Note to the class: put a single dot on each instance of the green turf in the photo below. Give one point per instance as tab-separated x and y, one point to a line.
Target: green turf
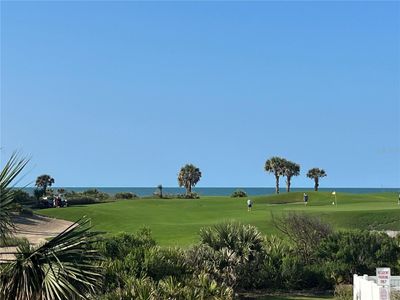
178	221
295	298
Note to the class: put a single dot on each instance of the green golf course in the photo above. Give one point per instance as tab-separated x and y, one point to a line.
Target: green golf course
176	222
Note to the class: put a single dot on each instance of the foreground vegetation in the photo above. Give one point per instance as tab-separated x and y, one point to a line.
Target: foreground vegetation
226	260
178	221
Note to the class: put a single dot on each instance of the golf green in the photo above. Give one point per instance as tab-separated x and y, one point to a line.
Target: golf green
178	221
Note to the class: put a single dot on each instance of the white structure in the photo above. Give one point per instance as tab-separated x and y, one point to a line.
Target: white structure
366	287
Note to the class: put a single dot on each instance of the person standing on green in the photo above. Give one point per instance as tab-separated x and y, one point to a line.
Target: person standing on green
305	197
249	204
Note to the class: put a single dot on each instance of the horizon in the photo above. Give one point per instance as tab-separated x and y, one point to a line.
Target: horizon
121	94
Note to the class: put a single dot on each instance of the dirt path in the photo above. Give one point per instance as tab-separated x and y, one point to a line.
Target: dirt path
36	229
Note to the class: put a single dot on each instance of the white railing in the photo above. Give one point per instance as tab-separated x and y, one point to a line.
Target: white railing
365	288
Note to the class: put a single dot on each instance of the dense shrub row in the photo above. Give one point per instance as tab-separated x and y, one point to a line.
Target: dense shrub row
90	196
231	257
125	195
239	194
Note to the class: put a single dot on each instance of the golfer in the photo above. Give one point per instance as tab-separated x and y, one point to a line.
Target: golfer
249	204
305	197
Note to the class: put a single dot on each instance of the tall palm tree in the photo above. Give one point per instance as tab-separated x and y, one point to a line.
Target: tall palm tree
66	267
276	165
316	174
43	181
291	169
189	176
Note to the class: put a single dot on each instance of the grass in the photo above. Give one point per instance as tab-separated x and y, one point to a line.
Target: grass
295	298
178	221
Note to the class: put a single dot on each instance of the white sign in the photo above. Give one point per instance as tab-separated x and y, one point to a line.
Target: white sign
383	276
384	293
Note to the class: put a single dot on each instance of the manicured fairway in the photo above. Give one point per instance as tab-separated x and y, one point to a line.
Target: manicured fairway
177	221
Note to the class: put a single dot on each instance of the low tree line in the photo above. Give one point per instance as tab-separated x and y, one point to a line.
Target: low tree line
189	175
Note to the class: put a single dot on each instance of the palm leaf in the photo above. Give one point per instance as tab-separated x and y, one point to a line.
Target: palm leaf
10	171
66	267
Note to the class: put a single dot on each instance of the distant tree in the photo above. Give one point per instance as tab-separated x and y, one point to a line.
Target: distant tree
189	176
291	169
61	191
159	187
316	174
43	181
38	193
276	165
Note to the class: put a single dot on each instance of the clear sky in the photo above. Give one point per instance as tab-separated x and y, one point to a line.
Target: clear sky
124	94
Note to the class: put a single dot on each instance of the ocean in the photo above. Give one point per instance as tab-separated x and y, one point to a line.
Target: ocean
218	191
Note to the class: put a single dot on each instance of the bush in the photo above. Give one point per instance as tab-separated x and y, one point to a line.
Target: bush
163	262
306	232
91	193
343	254
191	195
81	199
23	197
12	241
239	194
395	295
124	195
26	212
344	292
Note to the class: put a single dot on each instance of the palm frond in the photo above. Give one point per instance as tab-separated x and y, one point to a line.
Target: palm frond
10	171
66	267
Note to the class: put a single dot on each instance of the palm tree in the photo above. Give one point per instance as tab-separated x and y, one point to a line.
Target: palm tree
66	267
316	174
291	169
276	165
43	181
189	176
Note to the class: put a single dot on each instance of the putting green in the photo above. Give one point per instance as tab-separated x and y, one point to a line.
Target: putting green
178	221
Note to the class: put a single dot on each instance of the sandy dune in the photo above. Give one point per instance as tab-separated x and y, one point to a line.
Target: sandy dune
36	229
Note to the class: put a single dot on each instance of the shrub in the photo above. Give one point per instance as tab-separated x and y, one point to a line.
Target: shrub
26	212
163	262
395	295
306	232
95	193
343	292
12	241
343	254
191	195
239	252
239	194
81	199
124	195
23	197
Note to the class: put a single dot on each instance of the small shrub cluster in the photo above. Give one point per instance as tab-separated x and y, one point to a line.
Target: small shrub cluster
238	194
22	197
192	195
344	292
125	195
25	211
90	196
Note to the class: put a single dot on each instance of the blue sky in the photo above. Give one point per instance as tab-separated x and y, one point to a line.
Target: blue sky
124	94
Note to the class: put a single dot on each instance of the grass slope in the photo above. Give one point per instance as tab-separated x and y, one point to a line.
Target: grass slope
178	221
